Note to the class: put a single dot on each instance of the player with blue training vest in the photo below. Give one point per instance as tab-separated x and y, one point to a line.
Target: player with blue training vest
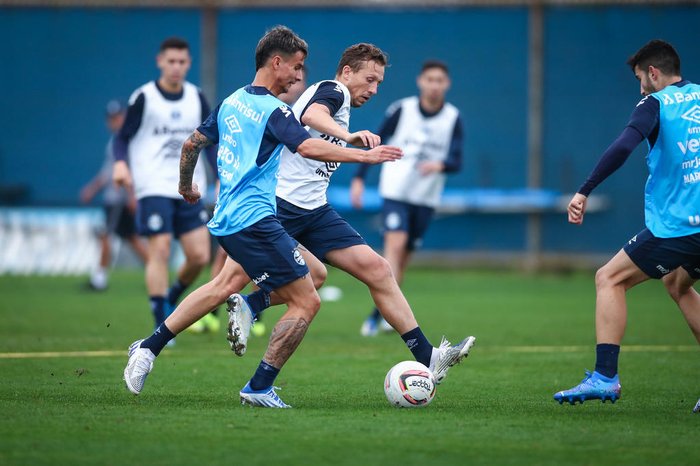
668	117
251	127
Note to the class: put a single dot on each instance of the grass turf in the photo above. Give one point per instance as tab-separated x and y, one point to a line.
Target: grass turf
534	337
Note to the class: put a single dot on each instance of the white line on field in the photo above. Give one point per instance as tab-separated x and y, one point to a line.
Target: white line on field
488	349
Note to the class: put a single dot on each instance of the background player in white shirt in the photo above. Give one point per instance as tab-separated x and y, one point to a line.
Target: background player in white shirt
429	130
160	116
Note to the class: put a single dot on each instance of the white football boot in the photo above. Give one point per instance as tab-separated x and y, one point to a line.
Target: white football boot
139	366
265	398
446	356
240	319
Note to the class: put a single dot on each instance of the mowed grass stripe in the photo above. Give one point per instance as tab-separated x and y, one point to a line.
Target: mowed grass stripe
488	349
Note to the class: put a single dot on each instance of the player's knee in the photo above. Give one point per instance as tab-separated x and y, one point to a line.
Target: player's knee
377	269
199	258
603	278
319	275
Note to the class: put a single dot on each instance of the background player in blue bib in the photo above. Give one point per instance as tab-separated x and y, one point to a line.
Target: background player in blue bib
668	117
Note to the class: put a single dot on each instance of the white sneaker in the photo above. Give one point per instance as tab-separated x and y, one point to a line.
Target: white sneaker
446	356
139	366
240	319
385	326
696	409
369	327
266	398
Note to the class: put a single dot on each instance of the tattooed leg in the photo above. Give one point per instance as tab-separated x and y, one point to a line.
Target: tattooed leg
285	338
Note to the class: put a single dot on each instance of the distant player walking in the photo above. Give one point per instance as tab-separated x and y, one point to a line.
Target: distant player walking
669	247
160	116
429	130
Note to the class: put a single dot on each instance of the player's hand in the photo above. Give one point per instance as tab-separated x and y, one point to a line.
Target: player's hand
192	194
430	166
364	138
382	154
121	175
357	189
577	208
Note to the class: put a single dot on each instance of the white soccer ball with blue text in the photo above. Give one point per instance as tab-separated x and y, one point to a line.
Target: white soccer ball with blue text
409	384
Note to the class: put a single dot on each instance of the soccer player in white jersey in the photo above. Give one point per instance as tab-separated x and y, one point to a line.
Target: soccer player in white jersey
668	248
326	106
429	130
160	116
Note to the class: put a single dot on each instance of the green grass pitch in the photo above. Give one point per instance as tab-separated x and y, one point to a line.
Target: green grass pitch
63	402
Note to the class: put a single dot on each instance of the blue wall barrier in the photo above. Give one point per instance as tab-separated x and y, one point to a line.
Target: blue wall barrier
62	65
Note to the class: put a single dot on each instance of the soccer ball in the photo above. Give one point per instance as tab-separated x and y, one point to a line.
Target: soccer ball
409	384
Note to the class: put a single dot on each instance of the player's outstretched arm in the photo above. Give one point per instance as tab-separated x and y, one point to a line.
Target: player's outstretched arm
577	208
121	176
319	117
188	160
324	151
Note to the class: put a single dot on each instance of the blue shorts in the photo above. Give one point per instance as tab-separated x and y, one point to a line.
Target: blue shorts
267	253
411	218
119	220
155	215
658	256
320	230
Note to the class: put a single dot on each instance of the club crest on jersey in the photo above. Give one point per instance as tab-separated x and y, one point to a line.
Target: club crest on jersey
232	124
298	257
175	115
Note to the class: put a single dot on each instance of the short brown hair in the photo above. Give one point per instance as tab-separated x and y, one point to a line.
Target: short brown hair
355	55
278	40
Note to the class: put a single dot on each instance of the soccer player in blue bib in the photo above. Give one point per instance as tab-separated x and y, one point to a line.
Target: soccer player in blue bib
668	117
252	126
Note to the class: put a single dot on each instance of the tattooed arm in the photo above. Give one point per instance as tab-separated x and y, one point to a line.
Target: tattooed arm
188	159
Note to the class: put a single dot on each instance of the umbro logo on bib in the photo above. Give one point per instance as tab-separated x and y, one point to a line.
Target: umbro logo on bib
232	124
693	114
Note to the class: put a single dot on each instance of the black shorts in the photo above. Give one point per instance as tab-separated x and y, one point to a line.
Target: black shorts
657	257
156	215
319	230
267	253
411	218
119	220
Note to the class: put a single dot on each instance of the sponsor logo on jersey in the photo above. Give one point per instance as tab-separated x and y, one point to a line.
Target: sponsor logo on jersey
691	145
285	110
246	110
693	114
679	97
232	124
338	89
298	258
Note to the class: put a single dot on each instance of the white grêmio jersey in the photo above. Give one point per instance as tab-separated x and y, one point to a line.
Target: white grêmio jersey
301	181
422	139
154	151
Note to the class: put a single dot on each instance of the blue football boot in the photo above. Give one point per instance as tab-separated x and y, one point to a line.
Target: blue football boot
594	386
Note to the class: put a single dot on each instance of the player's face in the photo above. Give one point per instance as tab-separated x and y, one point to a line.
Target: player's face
293	92
174	65
290	71
646	84
115	122
363	83
433	84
